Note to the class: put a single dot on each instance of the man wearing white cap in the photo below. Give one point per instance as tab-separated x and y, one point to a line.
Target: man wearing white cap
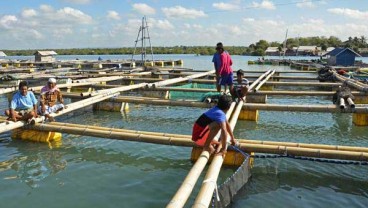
51	99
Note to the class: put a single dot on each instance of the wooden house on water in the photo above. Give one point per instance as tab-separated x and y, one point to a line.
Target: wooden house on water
45	56
341	57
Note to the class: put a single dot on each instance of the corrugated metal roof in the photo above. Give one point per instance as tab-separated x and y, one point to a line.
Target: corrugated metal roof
46	53
337	51
330	49
307	48
2	53
272	49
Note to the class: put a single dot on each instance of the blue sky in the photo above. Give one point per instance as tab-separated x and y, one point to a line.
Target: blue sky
38	24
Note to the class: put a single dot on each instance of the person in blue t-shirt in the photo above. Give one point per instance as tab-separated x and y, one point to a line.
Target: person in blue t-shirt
209	123
23	105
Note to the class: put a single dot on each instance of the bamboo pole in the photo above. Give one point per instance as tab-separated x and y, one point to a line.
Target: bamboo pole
241	141
77	105
256	76
209	183
180	79
264	81
186	188
258	80
183	193
246	106
71	107
270	83
310	150
305	108
8	90
306	152
352	83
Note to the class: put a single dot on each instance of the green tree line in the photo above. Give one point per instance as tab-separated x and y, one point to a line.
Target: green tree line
256	49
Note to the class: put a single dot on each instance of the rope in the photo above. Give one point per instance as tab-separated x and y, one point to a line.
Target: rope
343	162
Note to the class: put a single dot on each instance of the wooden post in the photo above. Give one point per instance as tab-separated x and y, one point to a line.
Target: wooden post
156	94
360	119
69	81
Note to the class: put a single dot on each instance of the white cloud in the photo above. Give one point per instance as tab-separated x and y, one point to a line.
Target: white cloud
224	6
144	9
35	34
305	4
78	1
71	15
355	14
265	4
28	13
181	12
113	15
8	21
160	24
46	8
62	32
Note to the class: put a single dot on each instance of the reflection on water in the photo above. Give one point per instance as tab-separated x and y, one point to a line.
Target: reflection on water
33	162
298	183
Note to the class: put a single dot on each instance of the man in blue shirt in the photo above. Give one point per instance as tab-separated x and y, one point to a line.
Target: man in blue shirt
23	105
209	123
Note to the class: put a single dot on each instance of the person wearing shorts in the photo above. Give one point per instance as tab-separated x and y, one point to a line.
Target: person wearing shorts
209	123
51	100
225	71
23	105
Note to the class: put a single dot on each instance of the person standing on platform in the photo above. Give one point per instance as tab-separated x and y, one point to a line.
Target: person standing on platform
225	72
51	99
209	123
217	64
23	105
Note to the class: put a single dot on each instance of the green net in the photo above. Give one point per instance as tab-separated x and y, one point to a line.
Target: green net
199	96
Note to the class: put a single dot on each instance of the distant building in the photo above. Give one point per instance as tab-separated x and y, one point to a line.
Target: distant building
307	50
341	57
329	49
45	56
2	54
363	51
272	51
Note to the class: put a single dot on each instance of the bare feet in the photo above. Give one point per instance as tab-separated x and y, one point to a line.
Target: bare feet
210	149
51	119
219	147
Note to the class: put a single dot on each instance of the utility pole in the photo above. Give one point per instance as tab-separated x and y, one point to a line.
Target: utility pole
284	47
143	35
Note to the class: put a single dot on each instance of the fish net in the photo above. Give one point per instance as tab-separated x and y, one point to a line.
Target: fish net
227	190
198	96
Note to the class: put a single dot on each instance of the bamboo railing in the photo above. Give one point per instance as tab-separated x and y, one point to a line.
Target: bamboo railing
264	81
59	127
180	79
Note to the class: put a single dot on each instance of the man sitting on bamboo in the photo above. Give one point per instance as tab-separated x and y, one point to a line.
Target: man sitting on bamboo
209	123
50	95
23	105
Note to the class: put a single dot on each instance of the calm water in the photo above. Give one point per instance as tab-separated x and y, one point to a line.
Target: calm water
95	172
